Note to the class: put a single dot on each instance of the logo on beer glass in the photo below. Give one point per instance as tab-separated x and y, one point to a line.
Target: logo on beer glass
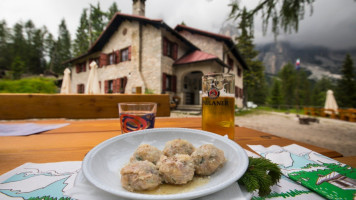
213	93
135	123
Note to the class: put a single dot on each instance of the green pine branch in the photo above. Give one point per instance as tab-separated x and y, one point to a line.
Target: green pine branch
261	175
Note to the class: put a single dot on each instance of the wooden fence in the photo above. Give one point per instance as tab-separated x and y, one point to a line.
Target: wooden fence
73	106
342	114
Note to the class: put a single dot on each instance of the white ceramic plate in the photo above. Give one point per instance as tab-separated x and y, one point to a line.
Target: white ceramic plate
102	165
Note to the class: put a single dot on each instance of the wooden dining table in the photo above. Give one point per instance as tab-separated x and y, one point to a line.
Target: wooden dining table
74	141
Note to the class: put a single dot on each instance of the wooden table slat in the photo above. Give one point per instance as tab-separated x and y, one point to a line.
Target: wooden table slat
72	142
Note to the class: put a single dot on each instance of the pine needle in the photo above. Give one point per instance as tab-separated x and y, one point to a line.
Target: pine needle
261	175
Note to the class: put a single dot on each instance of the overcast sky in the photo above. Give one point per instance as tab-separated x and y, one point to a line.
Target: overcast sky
333	23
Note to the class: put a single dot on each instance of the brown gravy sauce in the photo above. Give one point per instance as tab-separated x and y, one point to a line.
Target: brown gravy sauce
164	189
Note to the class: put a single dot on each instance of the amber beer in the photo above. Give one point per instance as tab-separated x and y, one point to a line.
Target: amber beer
218	104
218	115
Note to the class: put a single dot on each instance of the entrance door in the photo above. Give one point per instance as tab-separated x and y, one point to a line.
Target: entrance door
191	87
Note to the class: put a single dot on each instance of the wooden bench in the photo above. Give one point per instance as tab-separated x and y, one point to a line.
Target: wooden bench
73	106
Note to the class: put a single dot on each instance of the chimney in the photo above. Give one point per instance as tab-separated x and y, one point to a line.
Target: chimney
138	7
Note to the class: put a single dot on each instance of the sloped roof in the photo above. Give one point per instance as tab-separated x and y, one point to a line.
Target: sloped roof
226	39
195	56
115	23
198	56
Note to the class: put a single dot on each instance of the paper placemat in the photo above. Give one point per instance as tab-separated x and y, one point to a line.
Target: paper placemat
27	128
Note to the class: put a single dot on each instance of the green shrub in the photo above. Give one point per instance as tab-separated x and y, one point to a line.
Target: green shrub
28	85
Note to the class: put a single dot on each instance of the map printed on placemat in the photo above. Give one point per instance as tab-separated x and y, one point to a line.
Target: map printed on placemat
49	181
327	177
286	189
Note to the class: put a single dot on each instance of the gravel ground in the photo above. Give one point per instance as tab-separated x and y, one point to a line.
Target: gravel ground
328	133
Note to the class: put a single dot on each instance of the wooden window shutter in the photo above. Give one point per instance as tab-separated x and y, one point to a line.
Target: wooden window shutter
175	51
77	68
103	59
125	82
106	86
129	52
164	77
117	53
84	67
174	83
78	88
114	88
236	92
165	43
118	85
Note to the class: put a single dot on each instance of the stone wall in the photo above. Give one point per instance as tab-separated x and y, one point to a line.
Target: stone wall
128	35
206	44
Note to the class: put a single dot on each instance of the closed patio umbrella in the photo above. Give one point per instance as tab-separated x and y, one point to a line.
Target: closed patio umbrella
330	102
92	86
65	89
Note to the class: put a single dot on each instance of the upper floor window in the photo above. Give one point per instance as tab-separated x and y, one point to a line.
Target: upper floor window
230	62
239	71
111	58
81	67
124	54
97	61
170	49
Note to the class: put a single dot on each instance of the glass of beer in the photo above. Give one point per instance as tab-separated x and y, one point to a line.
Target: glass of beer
136	116
218	104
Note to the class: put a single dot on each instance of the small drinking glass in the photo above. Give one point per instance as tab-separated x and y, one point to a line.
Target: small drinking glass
136	116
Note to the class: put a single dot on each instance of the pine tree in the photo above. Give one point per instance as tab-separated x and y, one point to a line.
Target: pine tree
283	14
319	91
17	68
38	47
18	46
276	97
5	54
346	87
63	46
96	23
81	43
50	51
254	79
287	76
112	11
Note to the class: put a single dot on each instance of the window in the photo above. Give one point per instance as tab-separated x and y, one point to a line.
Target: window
169	83
170	49
96	60
81	67
110	86
125	54
121	85
230	62
239	71
115	85
111	58
80	88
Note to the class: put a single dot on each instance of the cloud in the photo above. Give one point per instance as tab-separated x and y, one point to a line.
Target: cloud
332	24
